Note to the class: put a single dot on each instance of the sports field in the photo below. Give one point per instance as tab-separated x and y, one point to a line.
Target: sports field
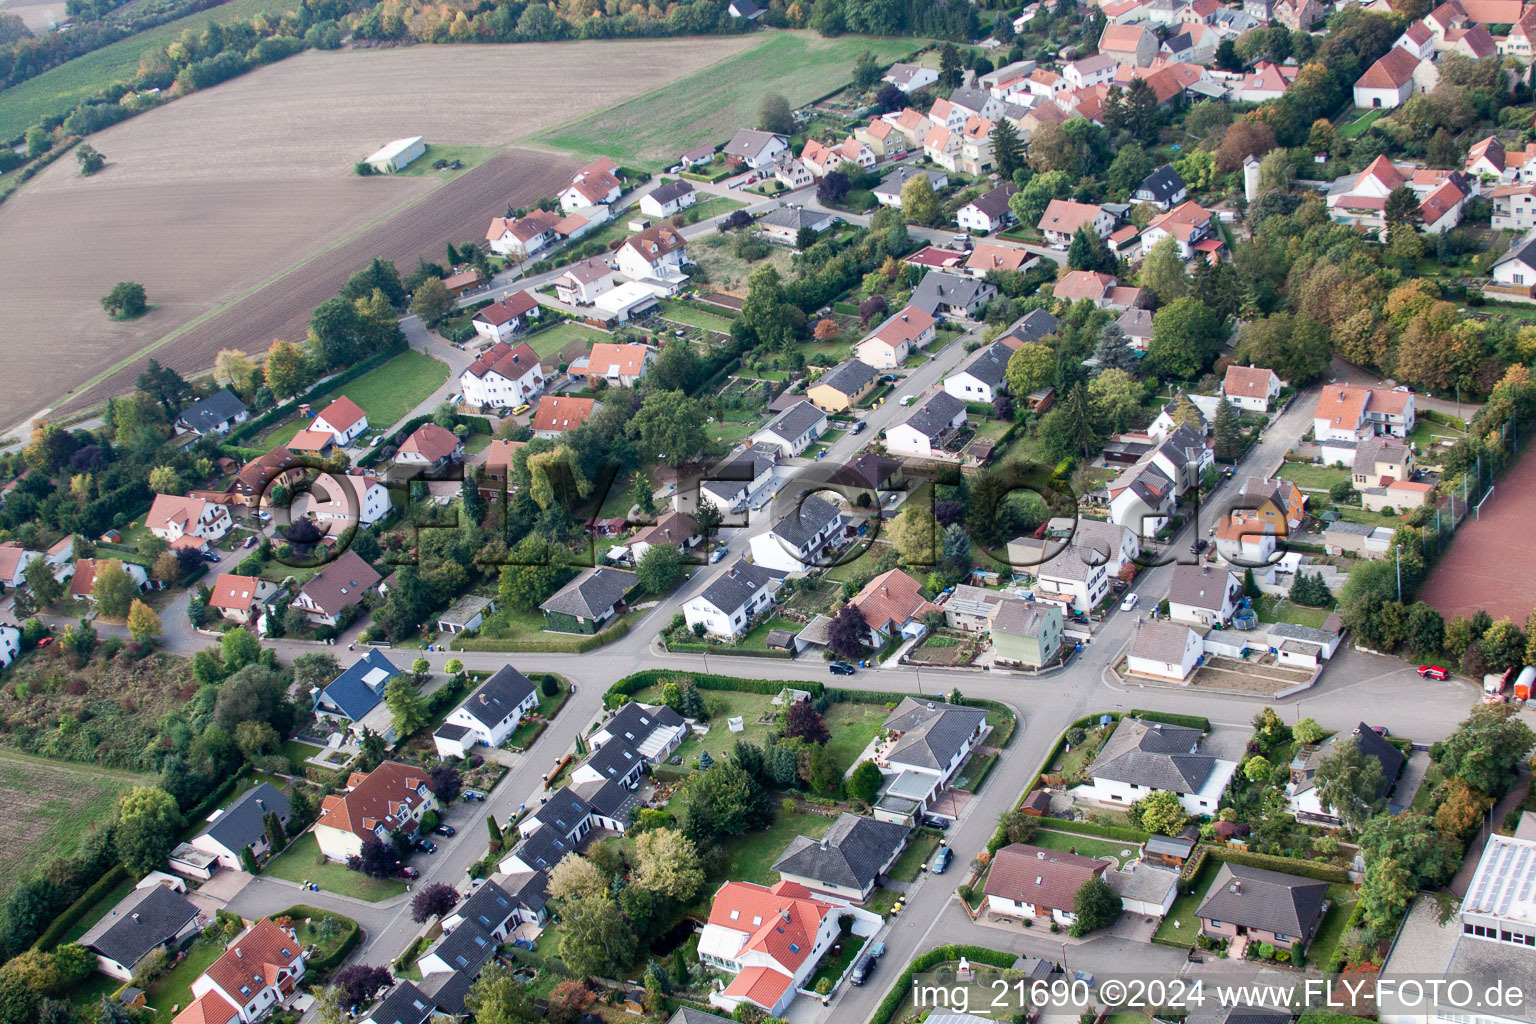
709	105
1488	563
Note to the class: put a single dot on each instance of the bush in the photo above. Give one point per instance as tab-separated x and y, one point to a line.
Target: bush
1188	721
941	954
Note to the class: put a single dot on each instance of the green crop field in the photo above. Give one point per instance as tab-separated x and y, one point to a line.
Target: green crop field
709	105
57	90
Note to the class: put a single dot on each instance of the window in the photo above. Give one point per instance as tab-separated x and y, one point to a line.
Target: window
1215	924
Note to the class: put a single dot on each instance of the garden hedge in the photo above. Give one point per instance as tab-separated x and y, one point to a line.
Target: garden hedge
1289	865
632	684
54	933
938	955
324	963
573	646
320	389
1188	721
695	648
1093	828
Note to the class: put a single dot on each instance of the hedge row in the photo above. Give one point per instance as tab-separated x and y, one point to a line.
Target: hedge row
1093	828
1336	961
1289	865
1188	721
690	648
633	684
938	955
589	643
299	911
54	933
1000	708
278	413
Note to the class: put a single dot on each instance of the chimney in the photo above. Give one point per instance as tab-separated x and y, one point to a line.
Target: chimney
239	953
261	803
1040	855
784	916
1237	886
135	915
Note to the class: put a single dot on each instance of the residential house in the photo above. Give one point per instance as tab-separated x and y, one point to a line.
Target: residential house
758	150
463	283
14	559
665	200
391	798
1247	544
794	429
989	256
583	221
1514	207
911	125
821	158
1063	218
219	413
619	365
734	598
583	282
771	939
589	602
1259	905
802	539
988	212
1029	882
911	77
785	224
429	449
82	585
1203	595
405	1003
1515	271
320	444
349	498
152	917
597	183
258	972
503	375
1163	188
1384	475
971	608
1033	326
1133	44
982	379
1389	82
1142	498
674	528
847	860
1347	414
657	253
929	741
891	604
845	385
1027	634
1251	387
792	174
555	414
1419	40
1142	757
1279	504
1187	224
343	418
1301	794
974	102
1066	574
656	731
967	149
488	716
887	346
278	468
951	295
10	644
241	599
329	595
1442	207
616	761
243	826
1299	15
490	907
881	138
733	483
888	192
506	317
172	518
1087	72
521	237
450	966
946	115
926	429
869	472
1267	81
355	698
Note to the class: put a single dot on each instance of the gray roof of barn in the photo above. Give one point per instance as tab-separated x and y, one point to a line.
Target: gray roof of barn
592	593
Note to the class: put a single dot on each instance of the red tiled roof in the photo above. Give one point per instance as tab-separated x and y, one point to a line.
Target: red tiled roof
508	309
761	985
559	412
374	799
890	597
1392	71
1083	284
629	358
237	593
780	922
432	442
1247	381
1065	216
255	959
506	361
209	1008
342	413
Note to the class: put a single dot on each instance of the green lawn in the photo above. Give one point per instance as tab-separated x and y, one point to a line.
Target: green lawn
709	105
1069	842
548	343
469	156
173	992
1306	475
716	206
750	858
387	393
1332	929
694	316
57	90
756	638
910	864
301	861
837	959
297	753
1360	124
548	707
1181	925
1426	433
1279	609
1367	517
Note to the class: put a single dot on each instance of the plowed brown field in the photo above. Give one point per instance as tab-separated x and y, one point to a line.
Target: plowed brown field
237	205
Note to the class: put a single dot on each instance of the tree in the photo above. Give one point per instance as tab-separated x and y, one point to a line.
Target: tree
1029	369
1257	769
1503	646
1186	335
1227	433
865	782
1159	812
1307	731
1113	350
446	783
360	982
912	533
534	571
724	801
1007	150
433	900
774	115
1095	906
233	368
164	480
833	188
239	648
1350	783
143	623
432	301
286	370
1461	809
803	721
949	66
1244	138
668	864
500	997
1411	840
1401	208
125	301
46	589
1163	272
91	161
1115	397
846	633
660	568
1383	895
596	940
1486	749
670	424
866	70
919	203
570	998
147	824
1088	252
406	708
113	589
576	878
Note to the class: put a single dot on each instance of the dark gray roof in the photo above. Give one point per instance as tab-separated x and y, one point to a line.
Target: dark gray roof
1179	43
1267	900
449	731
795	420
564	811
940	289
1162	641
990	364
932	732
671	190
749	142
405	1004
1155	755
609	798
591	594
892	184
808	518
614	760
1169	846
974	100
851	854
1371	744
212	412
498	696
1162	184
995	203
934	416
634	722
688	1015
1240	1014
529	888
543	848
736	585
1022	618
849	378
489	906
1034	325
1137	323
243	822
147	918
465	950
1201	586
1524	251
795	218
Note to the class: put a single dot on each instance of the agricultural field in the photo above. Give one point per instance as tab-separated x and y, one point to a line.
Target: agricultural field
709	105
37	15
253	224
50	806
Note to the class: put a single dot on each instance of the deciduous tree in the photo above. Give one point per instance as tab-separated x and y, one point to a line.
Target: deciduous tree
576	878
1095	906
1350	783
143	623
595	940
113	589
407	710
1486	749
147	823
919	203
667	863
125	301
433	900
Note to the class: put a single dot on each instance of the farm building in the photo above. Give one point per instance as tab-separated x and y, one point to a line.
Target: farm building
397	155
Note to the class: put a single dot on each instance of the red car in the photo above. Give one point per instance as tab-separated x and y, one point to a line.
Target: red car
45	641
1434	672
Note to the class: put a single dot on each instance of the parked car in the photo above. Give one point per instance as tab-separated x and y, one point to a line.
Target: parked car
45	641
717	554
250	541
1129	602
519	410
861	970
211	556
1434	672
858	427
445	830
877	950
265	517
426	845
934	821
890	378
406	871
940	862
842	668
